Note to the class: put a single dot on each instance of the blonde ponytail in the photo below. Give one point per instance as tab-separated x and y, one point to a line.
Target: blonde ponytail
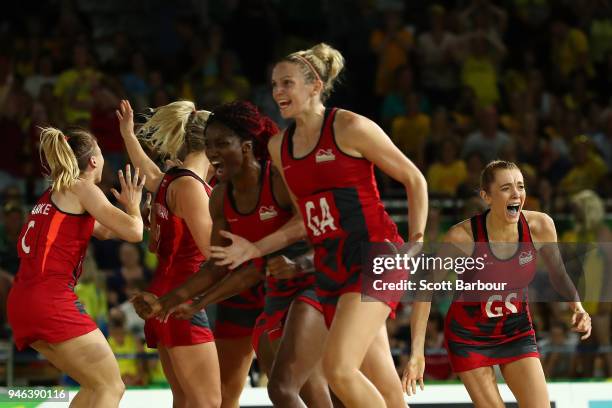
166	129
322	62
63	166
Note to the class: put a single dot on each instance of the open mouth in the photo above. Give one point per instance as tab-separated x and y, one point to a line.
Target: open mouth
284	104
513	210
218	165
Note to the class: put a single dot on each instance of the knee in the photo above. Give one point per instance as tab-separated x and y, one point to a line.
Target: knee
117	388
206	401
114	388
338	370
279	390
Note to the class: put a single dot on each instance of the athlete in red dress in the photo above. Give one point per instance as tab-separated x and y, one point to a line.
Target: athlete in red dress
327	159
497	329
180	235
43	310
254	203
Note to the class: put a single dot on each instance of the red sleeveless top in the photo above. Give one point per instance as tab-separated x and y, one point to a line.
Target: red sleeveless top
500	315
52	244
178	254
337	193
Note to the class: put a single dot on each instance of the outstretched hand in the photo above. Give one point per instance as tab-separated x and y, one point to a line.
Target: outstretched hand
235	254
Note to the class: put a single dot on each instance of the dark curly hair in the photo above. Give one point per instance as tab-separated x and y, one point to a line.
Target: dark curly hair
244	119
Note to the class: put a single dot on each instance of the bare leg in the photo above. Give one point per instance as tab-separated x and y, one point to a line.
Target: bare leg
90	361
355	326
235	358
482	387
197	370
179	400
378	366
526	380
296	366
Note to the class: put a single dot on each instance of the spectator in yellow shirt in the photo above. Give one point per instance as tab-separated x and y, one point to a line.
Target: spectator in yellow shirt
125	346
391	44
410	132
75	88
569	50
447	173
589	168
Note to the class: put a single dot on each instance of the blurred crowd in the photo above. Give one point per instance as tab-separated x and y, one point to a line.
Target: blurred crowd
455	84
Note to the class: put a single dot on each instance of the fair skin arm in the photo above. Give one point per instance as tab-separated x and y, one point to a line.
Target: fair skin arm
242	250
103	233
188	199
139	158
544	236
357	135
125	225
414	369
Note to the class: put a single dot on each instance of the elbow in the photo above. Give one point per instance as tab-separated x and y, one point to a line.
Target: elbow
134	237
416	183
135	234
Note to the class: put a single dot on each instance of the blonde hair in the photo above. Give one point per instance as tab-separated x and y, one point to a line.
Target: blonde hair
321	62
166	129
66	155
591	207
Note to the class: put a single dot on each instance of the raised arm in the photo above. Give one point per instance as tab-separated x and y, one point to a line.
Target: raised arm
139	158
111	220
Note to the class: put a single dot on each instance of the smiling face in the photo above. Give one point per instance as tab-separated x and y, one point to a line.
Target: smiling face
226	151
290	91
505	195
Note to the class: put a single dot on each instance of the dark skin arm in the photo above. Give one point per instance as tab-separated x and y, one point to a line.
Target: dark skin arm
147	305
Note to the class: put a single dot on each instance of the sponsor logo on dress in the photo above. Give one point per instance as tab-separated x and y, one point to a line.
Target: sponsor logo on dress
324	155
266	213
525	257
161	211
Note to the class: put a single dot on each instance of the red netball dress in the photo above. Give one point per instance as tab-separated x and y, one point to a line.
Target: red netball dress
179	257
42	304
341	208
497	329
242	315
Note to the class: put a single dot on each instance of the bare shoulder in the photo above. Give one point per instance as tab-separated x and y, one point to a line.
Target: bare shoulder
541	225
187	186
460	233
460	238
83	186
275	141
346	120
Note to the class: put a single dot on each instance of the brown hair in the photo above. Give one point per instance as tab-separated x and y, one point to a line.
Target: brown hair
67	155
487	176
321	62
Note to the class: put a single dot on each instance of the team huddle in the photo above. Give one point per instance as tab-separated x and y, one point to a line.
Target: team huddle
268	225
